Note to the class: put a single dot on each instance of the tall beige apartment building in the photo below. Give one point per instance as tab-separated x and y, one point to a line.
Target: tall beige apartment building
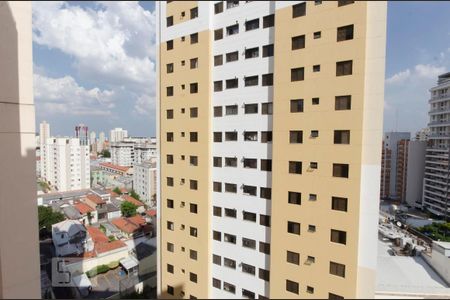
19	245
269	123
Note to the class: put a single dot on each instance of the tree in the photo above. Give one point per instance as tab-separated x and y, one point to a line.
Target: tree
134	195
105	153
117	191
47	217
128	209
89	216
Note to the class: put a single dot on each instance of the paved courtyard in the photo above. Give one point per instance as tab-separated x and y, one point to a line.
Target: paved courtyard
107	284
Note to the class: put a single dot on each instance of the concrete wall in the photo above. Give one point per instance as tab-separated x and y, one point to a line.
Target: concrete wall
19	251
415	173
440	263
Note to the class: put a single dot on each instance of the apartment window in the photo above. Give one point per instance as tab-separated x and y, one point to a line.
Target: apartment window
169	91
169	181
169	203
229	287
217	111
251	80
252	52
247	294
183	63
170	268
340	170
251	108
345	2
314	133
233	29
218	86
342	136
194	88
248	269
248	243
338	236
267	79
313	165
251	136
170	225
344	68
295	136
311	228
169	21
264	220
299	10
218	34
345	33
194	12
310	290
217	260
316	68
169	114
312	197
297	74
193	184
264	275
249	190
269	21
337	269
317	35
292	286
182	134
298	42
231	213
217	161
217	236
295	167
232	56
264	248
231	4
229	238
296	105
339	203
310	260
267	108
293	227
217	186
218	60
193	208
193	136
231	83
266	165
266	136
183	14
294	198
194	112
317	2
332	296
194	63
170	45
217	283
265	193
252	24
293	257
218	8
230	188
169	68
343	102
194	38
249	216
170	290
315	101
193	277
251	163
217	137
193	231
217	211
170	247
231	136
268	50
169	159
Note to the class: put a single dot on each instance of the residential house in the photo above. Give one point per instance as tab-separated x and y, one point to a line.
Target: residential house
71	238
99	204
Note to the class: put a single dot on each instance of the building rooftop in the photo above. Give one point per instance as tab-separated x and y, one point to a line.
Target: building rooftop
151	212
132	200
95	198
124	225
116	167
71	212
83	208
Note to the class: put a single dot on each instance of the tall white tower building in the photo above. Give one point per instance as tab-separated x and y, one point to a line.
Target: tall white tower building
44	134
118	135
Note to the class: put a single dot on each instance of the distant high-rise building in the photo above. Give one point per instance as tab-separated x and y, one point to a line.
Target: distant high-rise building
82	133
422	135
436	184
92	138
117	135
270	126
44	134
129	152
415	173
101	141
144	180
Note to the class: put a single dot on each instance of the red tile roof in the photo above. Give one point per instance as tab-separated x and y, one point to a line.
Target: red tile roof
113	194
95	198
101	241
125	225
151	212
111	166
83	208
106	247
132	200
137	219
97	235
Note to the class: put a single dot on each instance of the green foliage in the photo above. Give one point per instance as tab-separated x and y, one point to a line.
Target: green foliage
97	270
117	191
134	195
105	153
128	209
102	228
111	238
44	186
112	265
89	216
47	217
437	231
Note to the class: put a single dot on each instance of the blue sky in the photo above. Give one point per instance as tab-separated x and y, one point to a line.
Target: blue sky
94	64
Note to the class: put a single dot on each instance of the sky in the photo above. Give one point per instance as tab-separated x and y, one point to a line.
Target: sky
94	63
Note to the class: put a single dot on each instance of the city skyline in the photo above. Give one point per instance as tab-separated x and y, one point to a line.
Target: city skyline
103	101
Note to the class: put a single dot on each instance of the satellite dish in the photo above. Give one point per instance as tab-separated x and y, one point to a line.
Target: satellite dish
399	224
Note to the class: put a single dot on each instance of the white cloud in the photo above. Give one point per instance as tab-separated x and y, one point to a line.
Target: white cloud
429	71
144	105
419	72
399	77
65	96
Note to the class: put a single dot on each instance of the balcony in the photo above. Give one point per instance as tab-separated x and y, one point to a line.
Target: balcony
439	98
439	123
